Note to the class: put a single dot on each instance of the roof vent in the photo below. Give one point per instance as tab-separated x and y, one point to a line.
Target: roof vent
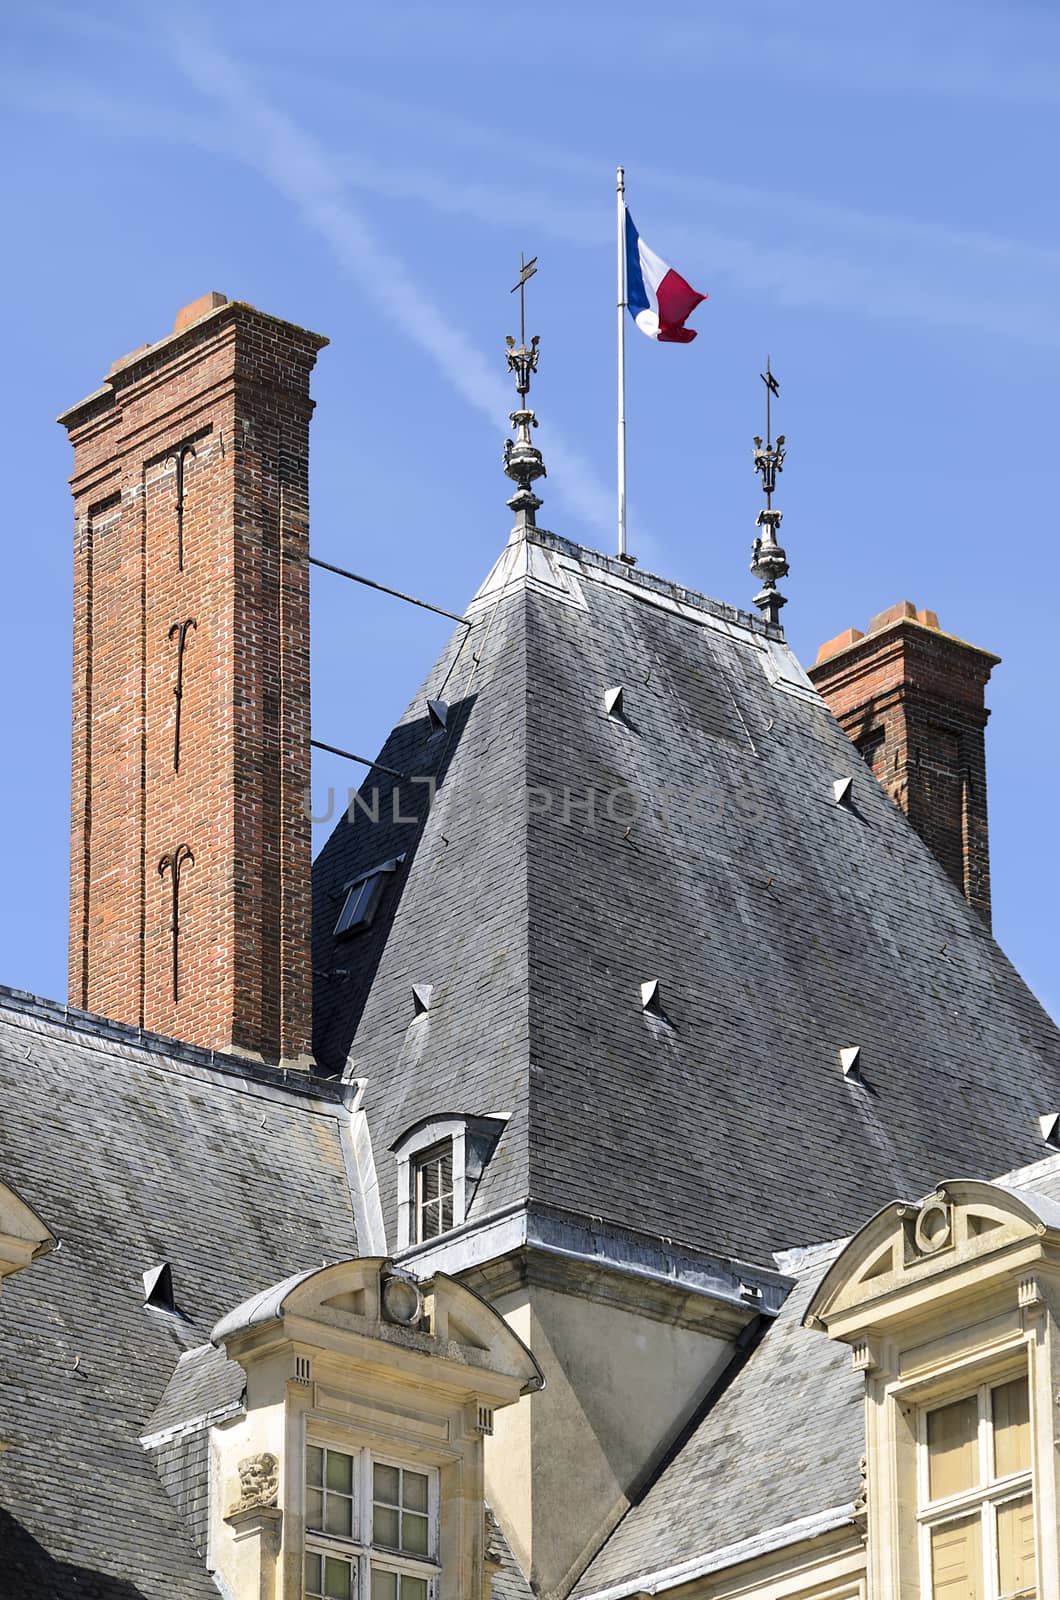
650	997
613	701
158	1287
438	711
1050	1127
849	1057
421	997
841	791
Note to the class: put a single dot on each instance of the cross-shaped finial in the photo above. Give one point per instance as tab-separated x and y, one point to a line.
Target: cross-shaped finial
772	388
526	272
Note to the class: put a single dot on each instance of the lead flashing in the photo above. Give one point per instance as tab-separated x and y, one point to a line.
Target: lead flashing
731	1555
637	1256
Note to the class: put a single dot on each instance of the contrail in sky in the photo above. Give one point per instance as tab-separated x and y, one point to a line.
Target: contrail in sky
301	169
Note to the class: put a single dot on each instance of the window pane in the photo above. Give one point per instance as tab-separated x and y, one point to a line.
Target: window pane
314	1465
340	1472
447	1214
314	1508
414	1533
957	1560
338	1579
413	1588
1015	1549
385	1484
1010	1403
384	1584
414	1491
953	1449
430	1178
385	1527
312	1574
338	1515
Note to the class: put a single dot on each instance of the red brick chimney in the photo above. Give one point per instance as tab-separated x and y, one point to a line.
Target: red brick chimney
190	847
911	699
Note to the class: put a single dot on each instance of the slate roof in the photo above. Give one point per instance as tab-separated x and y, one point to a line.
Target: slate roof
781	928
508	1582
137	1150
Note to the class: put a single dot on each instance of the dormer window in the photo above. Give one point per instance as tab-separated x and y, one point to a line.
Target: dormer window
976	1500
371	1527
440	1163
348	1459
434	1191
363	895
949	1310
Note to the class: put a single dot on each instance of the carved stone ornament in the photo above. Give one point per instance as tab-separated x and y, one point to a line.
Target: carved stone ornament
259	1482
860	1516
934	1226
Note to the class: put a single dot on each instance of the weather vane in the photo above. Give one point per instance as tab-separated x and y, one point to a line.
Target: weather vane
768	561
523	462
522	361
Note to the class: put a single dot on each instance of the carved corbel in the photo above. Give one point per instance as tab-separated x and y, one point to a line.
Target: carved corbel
864	1356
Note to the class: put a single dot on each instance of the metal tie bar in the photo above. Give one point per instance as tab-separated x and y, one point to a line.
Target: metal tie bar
334	750
355	577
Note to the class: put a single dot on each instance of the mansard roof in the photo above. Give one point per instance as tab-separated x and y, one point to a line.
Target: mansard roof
580	849
138	1151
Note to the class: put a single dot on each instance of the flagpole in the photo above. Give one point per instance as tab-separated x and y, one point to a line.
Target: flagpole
621	197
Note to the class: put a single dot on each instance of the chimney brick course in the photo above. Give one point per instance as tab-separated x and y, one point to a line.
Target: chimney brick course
911	698
231	385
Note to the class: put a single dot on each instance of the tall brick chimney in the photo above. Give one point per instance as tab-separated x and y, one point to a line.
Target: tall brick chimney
190	844
912	700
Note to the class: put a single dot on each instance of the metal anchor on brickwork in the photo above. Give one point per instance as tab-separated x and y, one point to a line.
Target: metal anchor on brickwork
174	861
178	457
179	631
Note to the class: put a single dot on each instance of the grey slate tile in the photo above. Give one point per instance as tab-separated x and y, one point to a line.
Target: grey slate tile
780	926
135	1156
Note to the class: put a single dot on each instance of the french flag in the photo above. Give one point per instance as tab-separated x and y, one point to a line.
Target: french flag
660	301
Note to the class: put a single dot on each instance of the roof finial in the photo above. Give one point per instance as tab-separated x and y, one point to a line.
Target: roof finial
522	459
768	561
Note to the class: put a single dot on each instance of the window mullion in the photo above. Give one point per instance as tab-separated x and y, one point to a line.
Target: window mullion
985	1440
991	1568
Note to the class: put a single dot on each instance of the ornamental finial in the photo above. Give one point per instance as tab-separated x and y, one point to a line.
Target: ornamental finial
523	461
768	560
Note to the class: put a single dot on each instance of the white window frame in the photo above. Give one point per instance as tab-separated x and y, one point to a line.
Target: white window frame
467	1133
359	1549
442	1130
423	1158
984	1500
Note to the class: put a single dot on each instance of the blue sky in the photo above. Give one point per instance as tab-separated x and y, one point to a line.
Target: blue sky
866	193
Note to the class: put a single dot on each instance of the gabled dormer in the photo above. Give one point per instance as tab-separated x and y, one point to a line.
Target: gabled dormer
951	1307
355	1466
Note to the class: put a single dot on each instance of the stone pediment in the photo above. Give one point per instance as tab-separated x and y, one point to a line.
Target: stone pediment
966	1231
369	1299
